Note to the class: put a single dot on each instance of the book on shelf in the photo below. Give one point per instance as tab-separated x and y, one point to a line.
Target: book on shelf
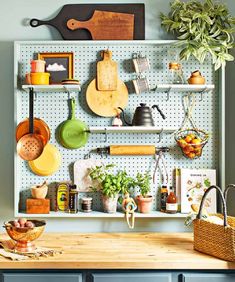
191	185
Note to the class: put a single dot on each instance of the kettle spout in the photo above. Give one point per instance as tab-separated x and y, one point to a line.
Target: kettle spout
123	114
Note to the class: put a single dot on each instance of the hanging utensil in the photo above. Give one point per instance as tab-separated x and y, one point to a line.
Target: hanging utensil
107	72
130	150
161	165
40	128
30	146
73	133
105	103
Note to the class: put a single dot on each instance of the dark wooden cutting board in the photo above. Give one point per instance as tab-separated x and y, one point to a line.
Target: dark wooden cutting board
84	12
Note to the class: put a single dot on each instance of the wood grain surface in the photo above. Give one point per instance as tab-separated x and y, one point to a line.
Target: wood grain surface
107	72
106	103
120	251
106	26
132	150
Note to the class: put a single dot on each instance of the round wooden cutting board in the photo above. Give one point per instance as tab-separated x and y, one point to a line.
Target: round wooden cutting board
106	103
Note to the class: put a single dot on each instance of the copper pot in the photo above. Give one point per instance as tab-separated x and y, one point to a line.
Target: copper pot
40	128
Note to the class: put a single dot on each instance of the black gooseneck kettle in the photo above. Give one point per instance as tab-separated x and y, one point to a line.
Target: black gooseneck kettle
143	115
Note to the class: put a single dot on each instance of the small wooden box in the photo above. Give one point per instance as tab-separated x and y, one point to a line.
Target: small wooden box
37	206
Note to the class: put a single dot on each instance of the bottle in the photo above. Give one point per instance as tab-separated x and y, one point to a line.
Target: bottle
171	202
164	194
73	199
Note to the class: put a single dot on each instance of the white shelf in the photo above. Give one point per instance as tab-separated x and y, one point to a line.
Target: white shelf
53	88
96	214
130	129
184	87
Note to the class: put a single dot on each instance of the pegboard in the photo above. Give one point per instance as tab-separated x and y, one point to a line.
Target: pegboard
52	107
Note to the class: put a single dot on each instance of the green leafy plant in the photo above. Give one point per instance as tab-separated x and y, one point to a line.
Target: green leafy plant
143	182
203	28
111	184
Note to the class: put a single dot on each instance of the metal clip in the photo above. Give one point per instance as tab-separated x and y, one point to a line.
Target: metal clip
106	135
168	93
202	92
160	135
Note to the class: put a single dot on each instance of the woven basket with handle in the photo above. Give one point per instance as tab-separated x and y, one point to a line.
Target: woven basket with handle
214	239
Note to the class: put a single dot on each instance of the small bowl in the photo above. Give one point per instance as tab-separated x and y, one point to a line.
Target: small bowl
25	236
39	193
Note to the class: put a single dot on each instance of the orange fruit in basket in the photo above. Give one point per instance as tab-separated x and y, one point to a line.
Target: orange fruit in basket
190	148
192	135
196	142
182	143
191	155
198	151
186	151
188	138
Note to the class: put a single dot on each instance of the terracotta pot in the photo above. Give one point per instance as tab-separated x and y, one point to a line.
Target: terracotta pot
144	204
110	204
196	78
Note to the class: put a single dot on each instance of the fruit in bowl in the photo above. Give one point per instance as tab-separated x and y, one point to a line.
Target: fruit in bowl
24	232
191	142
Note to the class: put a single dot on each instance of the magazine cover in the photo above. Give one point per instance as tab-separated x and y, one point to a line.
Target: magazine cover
194	182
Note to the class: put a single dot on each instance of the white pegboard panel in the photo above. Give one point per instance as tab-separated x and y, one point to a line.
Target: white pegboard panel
53	108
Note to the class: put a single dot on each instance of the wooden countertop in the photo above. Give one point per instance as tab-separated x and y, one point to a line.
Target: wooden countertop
120	251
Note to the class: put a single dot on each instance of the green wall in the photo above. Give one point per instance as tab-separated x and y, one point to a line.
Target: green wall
14	16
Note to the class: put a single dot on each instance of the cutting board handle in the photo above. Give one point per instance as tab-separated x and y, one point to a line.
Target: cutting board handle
73	24
36	22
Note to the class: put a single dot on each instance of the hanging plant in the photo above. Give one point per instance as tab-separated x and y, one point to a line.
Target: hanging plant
203	28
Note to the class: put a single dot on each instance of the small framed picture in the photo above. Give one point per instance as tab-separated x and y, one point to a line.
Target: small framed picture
59	65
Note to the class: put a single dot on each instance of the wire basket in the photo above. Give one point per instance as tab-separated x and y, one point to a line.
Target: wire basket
191	141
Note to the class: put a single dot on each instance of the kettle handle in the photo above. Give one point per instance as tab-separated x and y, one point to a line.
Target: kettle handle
159	110
123	113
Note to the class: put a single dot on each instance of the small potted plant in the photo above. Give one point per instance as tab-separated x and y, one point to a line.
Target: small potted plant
111	185
204	28
144	200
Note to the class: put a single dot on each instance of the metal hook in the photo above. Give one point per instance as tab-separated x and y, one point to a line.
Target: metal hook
168	94
106	135
87	156
160	134
201	94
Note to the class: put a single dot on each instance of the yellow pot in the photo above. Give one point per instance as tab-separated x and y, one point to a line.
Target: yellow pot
39	78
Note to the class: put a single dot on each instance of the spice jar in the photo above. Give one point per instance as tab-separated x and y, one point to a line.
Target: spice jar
164	195
171	202
175	73
86	204
73	199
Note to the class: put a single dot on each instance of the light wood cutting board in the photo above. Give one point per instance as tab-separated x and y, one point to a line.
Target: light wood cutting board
106	103
107	72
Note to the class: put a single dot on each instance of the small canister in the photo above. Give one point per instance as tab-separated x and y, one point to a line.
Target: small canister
38	66
86	204
73	199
